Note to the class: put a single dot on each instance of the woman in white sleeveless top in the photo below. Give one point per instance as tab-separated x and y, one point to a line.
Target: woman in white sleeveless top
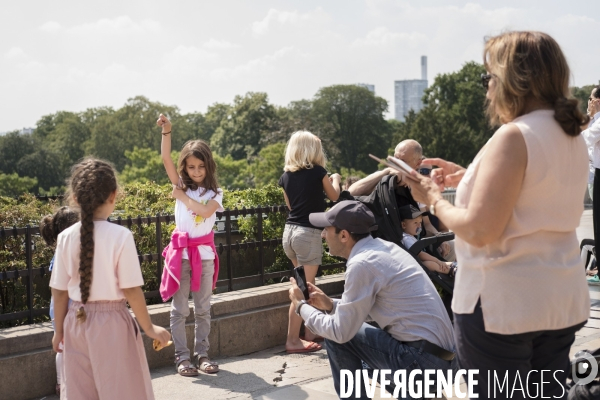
520	292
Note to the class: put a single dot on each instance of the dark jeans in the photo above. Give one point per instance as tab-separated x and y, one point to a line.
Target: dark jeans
596	206
379	350
514	356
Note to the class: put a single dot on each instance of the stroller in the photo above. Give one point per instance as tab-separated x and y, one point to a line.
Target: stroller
382	202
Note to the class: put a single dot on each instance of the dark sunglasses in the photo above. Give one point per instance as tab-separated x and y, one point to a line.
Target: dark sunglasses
424	171
485	80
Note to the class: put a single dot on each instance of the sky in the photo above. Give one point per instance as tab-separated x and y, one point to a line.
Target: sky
72	55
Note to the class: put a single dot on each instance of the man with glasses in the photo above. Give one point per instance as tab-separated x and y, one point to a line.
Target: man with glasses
411	152
592	139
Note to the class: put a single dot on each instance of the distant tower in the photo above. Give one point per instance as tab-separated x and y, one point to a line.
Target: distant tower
408	93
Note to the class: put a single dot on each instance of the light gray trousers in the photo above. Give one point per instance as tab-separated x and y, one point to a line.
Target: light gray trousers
180	309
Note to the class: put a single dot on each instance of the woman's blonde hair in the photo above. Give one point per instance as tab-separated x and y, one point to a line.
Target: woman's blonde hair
525	66
303	151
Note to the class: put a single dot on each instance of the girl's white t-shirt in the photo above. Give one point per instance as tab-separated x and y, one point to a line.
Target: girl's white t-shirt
187	221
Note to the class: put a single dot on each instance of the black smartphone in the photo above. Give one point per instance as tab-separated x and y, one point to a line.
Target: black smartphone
300	278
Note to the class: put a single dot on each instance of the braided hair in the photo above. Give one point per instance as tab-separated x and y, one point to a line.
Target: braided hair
52	225
92	182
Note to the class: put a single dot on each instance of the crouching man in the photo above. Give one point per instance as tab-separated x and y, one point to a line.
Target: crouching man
383	284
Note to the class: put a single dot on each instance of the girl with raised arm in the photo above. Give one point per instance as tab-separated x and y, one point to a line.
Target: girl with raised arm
191	261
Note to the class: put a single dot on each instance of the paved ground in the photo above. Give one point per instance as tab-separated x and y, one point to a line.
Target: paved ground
274	375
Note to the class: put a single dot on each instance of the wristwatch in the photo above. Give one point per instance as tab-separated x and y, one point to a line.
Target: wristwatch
299	306
432	206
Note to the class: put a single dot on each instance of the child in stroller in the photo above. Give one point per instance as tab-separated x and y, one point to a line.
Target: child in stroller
411	220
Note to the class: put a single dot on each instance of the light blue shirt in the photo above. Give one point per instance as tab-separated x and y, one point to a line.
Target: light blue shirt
384	284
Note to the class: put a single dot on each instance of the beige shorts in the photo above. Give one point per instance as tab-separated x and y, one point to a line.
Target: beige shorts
303	244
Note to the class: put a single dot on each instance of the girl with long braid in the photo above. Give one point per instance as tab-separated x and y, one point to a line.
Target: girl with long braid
104	355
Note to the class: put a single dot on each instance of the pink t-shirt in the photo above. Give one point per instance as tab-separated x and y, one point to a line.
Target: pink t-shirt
116	265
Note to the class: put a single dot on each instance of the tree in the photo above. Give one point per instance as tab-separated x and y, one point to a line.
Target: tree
452	125
63	133
199	128
248	121
15	185
297	116
350	120
215	114
45	166
145	166
268	166
13	147
232	174
134	125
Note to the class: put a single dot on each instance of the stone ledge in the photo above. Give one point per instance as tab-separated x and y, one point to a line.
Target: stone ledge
242	322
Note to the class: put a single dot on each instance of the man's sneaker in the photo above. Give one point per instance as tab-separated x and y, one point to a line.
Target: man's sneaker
593	280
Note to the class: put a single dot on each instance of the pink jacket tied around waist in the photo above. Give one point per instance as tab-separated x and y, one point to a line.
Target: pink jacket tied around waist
171	276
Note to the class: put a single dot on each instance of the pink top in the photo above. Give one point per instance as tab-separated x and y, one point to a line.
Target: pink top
173	253
116	265
531	278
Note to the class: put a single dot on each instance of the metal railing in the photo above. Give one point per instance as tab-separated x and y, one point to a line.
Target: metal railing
225	228
225	250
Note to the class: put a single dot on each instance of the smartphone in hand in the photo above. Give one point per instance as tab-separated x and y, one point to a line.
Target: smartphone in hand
300	278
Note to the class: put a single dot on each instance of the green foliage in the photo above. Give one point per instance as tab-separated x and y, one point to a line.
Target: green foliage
247	122
346	172
232	174
15	185
133	125
249	134
145	166
45	166
14	147
63	133
26	210
268	166
273	224
351	124
146	198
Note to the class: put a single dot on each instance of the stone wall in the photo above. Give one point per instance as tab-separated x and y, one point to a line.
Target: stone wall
243	322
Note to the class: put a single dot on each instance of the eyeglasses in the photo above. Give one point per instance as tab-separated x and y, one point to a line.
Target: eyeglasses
485	80
424	171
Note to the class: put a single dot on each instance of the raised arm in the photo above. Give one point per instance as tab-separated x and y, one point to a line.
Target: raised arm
331	186
592	134
366	185
165	149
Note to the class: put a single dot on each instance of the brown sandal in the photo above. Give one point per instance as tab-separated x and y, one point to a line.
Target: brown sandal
187	370
207	366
